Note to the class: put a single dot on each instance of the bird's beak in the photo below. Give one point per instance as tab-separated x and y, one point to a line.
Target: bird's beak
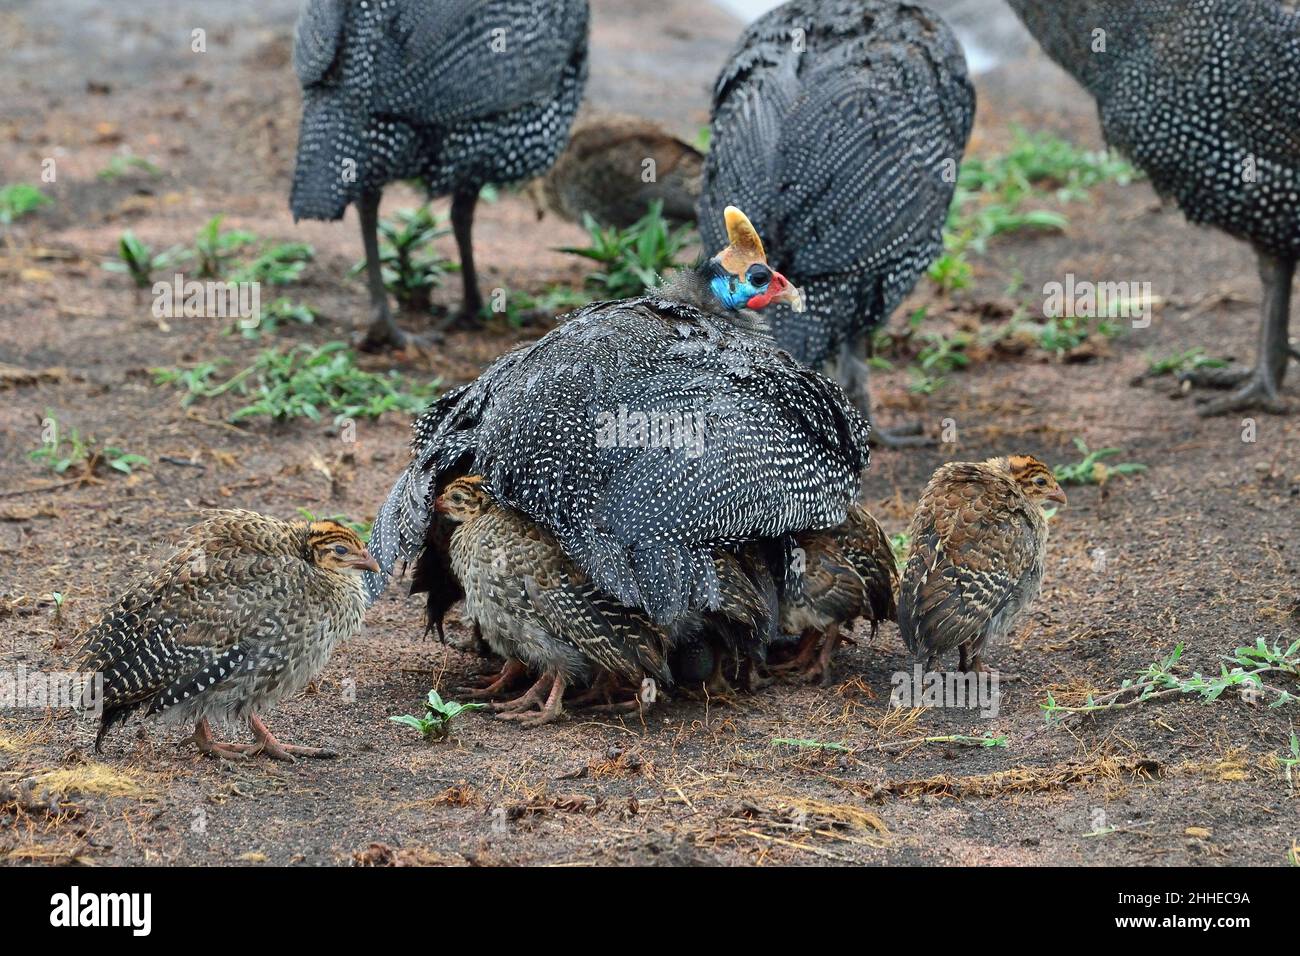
1057	495
366	563
780	289
439	506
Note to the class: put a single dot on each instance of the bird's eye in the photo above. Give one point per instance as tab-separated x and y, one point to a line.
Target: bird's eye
758	275
1040	481
340	549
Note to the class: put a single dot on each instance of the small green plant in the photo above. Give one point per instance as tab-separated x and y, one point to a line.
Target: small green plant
1092	469
138	260
123	164
951	271
900	544
1181	362
362	528
277	264
1060	335
631	260
438	715
303	382
19	199
282	309
520	306
214	245
1251	664
1289	763
64	448
411	270
57	598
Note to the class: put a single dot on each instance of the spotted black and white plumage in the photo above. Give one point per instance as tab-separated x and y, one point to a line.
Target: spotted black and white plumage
768	448
241	615
1201	95
459	93
838	126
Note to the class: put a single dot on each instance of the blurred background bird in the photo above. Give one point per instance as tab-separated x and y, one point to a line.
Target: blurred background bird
848	573
1202	96
244	613
642	435
458	93
839	125
978	546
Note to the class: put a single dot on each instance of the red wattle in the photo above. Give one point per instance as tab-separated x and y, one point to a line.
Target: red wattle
759	301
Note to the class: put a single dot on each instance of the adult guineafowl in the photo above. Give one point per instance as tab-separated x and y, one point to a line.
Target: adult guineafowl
838	125
1201	95
458	93
641	435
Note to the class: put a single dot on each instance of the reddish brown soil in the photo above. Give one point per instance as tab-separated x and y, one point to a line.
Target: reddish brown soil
1201	549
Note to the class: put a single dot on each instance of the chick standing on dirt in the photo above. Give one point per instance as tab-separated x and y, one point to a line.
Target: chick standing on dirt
849	572
243	614
979	542
533	605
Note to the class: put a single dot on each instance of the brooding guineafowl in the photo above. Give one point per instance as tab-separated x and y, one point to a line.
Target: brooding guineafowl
243	614
838	125
1201	95
641	435
459	93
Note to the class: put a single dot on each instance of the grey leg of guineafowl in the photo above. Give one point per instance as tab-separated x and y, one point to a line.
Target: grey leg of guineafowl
462	225
1260	387
854	376
383	332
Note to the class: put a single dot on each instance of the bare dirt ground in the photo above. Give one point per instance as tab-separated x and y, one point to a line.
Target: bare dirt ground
1201	549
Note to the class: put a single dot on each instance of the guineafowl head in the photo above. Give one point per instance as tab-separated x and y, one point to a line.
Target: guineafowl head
739	276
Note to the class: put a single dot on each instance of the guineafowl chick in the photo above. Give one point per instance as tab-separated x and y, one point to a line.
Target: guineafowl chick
849	573
615	166
1200	94
244	613
458	93
979	541
535	606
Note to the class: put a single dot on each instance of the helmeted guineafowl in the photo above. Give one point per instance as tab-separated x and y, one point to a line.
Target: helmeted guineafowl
838	125
641	435
1201	95
459	93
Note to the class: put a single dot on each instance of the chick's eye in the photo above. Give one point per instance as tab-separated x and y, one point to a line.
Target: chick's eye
759	275
1040	481
340	549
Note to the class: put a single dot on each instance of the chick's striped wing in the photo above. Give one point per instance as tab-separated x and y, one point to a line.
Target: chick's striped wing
971	549
618	638
188	628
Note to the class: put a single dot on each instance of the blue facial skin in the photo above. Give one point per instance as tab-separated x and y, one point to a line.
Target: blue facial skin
733	291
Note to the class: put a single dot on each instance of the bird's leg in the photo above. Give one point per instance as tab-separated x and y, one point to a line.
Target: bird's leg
383	332
509	675
854	374
830	641
462	224
1262	384
803	655
269	745
202	738
551	711
511	709
601	692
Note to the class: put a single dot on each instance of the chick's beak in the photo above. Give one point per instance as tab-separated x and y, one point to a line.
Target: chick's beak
366	562
783	290
439	505
1058	495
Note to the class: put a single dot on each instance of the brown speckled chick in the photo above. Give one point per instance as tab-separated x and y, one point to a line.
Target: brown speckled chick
849	573
244	613
979	540
534	605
